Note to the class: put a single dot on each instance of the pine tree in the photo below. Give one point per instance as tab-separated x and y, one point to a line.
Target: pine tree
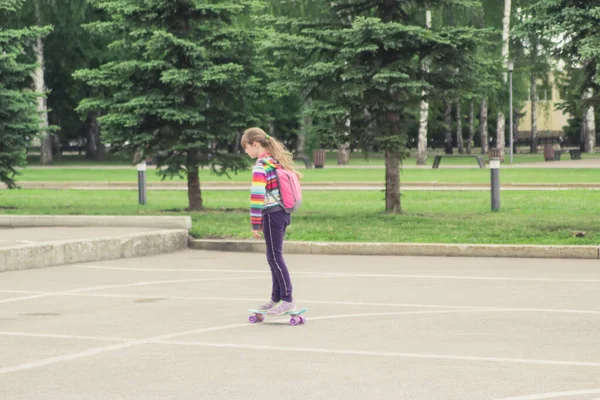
179	86
369	67
19	120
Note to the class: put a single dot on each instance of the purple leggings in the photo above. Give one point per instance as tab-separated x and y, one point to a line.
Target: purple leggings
274	226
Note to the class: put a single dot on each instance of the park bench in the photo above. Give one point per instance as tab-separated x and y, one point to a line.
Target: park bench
438	159
554	155
574	152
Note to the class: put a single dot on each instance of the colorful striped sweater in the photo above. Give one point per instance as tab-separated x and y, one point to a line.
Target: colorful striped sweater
264	195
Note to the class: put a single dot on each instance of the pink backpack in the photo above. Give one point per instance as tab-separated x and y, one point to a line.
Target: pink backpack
289	188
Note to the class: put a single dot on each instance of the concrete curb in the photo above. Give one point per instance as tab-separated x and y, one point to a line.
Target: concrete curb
107	248
406	249
160	222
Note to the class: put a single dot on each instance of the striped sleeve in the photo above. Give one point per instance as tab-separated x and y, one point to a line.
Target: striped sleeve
257	195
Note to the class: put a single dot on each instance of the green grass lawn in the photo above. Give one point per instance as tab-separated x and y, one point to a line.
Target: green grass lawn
526	217
356	158
80	160
475	175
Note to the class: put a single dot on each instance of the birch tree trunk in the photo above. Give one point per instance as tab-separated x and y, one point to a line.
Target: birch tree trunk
95	150
471	127
271	128
448	126
589	139
307	121
591	131
459	136
483	126
516	119
424	114
534	100
343	153
501	125
583	129
40	87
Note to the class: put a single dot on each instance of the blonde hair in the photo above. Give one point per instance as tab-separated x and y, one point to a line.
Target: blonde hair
272	145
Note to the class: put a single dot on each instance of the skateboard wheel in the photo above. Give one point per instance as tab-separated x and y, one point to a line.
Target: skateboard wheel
302	320
252	319
294	321
260	318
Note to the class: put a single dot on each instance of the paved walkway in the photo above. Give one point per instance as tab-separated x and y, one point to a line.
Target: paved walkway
583	163
10	237
328	186
174	327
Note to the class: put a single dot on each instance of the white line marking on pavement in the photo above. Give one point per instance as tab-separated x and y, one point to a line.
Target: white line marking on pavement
19	291
166	339
99	350
348	275
60	336
384	354
350	303
67	292
119	346
341	303
553	395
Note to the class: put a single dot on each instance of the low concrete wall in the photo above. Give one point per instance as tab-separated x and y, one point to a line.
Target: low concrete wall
406	249
87	250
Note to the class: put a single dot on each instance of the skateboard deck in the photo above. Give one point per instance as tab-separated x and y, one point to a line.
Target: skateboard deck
295	319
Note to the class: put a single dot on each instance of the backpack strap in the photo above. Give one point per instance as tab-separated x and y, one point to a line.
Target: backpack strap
270	163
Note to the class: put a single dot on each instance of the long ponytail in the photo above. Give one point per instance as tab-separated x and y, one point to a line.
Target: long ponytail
272	145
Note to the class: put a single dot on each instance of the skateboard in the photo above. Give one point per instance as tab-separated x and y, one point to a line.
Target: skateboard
295	319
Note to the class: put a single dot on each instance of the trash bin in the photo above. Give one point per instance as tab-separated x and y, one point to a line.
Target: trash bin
495	153
319	158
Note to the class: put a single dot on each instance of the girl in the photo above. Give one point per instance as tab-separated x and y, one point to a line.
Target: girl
266	213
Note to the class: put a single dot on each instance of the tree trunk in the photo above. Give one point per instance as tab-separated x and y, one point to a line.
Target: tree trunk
583	129
94	150
500	133
343	153
471	127
424	114
422	141
501	125
483	126
392	170
56	150
40	87
194	193
459	135
534	100
515	128
392	182
590	126
448	126
271	128
307	121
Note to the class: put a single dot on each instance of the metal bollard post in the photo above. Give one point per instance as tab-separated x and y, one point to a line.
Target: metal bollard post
495	169
141	167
